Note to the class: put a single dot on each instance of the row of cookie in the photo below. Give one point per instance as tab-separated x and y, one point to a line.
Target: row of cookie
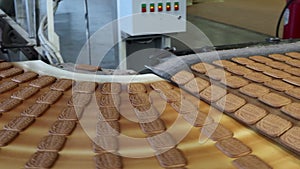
166	152
218	96
106	144
272	125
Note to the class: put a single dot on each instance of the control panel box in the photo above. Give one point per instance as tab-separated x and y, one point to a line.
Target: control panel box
147	17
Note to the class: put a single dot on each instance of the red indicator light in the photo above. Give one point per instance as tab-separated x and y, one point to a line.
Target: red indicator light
176	6
168	6
144	8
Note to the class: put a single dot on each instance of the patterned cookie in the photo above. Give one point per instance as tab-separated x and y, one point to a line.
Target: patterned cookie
182	77
293	71
224	63
162	141
291	138
49	97
108	161
250	114
295	55
250	162
261	59
161	85
213	93
230	103
184	106
7	86
139	99
80	99
71	113
171	95
84	87
7	136
108	114
5	65
233	147
111	88
19	123
109	128
295	92
109	100
279	57
278	65
24	77
10	72
153	127
292	109
294	62
25	93
242	61
52	143
254	90
197	119
62	85
136	88
35	110
258	67
62	127
42	81
202	67
216	131
275	100
42	159
196	85
102	144
171	158
239	70
273	125
8	104
234	82
279	74
294	80
217	74
278	85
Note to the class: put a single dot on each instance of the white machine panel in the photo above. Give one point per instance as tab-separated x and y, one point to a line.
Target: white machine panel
147	17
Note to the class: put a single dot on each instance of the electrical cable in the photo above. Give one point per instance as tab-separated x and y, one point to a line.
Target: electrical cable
281	16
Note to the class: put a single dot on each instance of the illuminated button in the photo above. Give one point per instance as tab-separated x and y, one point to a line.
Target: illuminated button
152	7
168	6
160	7
144	8
176	6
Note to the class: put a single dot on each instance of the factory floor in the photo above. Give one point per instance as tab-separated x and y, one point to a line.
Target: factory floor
70	25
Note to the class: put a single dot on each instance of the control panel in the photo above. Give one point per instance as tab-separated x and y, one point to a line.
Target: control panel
146	17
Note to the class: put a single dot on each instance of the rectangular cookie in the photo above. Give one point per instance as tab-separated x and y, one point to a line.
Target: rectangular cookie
8	104
108	128
111	88
11	72
278	85
250	114
139	99
202	67
153	127
224	63
242	60
42	159
275	100
291	138
25	93
250	162
161	86
197	119
102	144
213	93
24	77
295	55
292	110
171	96
108	161
71	113
7	86
216	131
279	57
273	125
278	65
7	136
84	87
62	127
258	77
239	70
171	158
109	100
230	103
19	123
217	74
146	113
293	62
258	67
136	88
196	85
161	141
293	71
184	106
62	85
108	114
5	65
79	99
294	80
261	59
51	143
42	81
182	77
49	97
278	74
234	82
233	147
254	90
35	110
294	92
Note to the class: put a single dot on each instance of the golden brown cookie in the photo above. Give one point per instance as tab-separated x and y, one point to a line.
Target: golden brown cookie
7	86
62	85
52	143
250	113
216	131
258	77
293	71
11	72
279	74
224	63
233	147
8	104
250	162
35	110
278	85
278	65
5	65
84	87
62	127
139	99
275	100
291	138
24	77
254	90
182	77
102	144
230	103
25	93
49	97
184	106
111	88
42	81
294	92
261	59
108	161
171	95
213	93
7	136
202	67
258	67
279	57
136	88
294	62
242	60
217	74
108	114
292	109
161	141
197	118
196	85
108	128
42	159
234	82
295	55
19	123
294	80
153	127
239	70
161	85
273	125
171	158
